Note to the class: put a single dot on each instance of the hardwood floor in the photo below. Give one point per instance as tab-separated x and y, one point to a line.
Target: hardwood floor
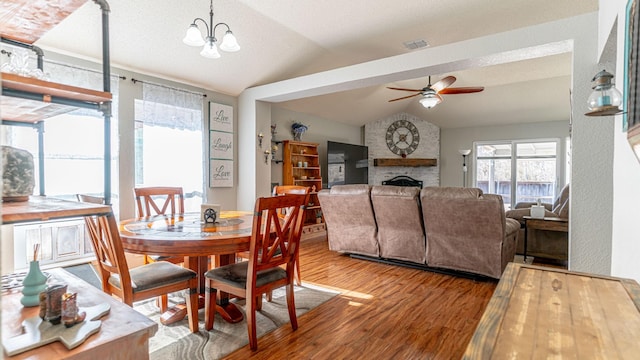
383	312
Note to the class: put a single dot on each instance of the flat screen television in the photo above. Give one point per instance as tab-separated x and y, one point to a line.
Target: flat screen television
347	164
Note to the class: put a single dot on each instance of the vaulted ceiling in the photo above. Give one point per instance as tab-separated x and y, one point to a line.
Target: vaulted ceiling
282	39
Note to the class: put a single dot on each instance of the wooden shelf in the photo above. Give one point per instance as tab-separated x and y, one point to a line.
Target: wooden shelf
28	20
605	111
40	208
29	110
294	152
405	162
30	100
48	88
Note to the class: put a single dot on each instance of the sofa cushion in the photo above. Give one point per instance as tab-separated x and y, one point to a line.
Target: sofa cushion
399	218
435	192
467	231
348	215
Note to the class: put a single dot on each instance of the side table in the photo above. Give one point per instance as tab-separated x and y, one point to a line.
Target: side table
547	223
124	333
541	312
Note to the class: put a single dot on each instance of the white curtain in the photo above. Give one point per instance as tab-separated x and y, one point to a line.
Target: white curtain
169	107
169	141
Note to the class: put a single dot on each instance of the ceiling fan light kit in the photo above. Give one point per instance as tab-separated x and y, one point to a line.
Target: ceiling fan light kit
431	93
194	37
430	101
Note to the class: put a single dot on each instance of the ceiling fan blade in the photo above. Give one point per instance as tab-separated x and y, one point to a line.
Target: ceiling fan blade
443	83
404	97
461	90
403	89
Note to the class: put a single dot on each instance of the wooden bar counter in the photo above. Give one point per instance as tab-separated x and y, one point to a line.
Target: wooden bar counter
124	333
540	313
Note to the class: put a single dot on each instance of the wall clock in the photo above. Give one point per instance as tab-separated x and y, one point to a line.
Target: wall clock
402	137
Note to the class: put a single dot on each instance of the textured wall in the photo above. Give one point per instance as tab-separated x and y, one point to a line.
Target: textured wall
429	147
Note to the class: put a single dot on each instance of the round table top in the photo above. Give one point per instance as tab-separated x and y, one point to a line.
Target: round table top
186	235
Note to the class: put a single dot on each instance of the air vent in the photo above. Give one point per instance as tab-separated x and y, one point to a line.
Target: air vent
415	44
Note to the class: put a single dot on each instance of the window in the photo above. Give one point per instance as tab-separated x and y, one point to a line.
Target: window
520	171
168	142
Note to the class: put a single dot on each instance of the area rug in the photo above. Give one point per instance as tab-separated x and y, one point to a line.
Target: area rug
176	342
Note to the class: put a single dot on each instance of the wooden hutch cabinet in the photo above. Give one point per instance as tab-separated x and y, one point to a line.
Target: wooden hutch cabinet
301	166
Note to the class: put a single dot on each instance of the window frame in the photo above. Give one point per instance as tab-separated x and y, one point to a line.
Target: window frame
560	162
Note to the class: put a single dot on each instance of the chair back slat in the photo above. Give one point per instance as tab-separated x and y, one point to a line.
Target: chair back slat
103	231
159	200
274	240
279	190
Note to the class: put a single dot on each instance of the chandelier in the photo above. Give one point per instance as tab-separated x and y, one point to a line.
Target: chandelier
210	50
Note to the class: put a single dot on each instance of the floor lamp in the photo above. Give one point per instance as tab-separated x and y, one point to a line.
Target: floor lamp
464	153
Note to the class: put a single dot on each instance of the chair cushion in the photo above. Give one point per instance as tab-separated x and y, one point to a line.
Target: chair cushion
236	275
153	275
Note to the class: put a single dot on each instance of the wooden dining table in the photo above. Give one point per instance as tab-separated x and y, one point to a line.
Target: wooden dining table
186	235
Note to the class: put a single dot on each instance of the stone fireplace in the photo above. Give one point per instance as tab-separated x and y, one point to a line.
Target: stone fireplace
422	164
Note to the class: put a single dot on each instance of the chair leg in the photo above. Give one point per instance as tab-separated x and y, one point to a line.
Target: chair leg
162	302
259	302
297	266
192	309
209	307
291	306
251	321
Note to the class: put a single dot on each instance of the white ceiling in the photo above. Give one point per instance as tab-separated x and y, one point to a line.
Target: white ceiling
282	39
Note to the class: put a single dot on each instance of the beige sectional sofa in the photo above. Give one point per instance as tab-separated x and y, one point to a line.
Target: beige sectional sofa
458	229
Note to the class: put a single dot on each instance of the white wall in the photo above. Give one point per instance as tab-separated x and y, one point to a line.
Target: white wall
453	140
320	131
626	167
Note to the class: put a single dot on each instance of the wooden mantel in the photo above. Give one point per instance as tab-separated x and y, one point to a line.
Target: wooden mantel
405	162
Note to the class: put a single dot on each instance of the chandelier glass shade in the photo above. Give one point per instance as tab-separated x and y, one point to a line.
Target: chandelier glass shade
194	37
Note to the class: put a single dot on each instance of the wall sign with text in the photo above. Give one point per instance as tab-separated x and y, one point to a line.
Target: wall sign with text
220	145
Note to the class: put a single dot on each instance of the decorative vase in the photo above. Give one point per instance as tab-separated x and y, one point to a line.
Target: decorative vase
33	284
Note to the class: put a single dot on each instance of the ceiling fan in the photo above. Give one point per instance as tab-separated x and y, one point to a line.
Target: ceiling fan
431	93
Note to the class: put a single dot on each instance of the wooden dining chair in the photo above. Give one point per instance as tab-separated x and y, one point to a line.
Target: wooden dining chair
140	283
292	189
160	200
273	243
90	199
277	191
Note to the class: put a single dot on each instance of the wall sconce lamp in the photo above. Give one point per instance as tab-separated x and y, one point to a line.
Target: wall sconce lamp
274	150
266	156
260	137
464	153
605	99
